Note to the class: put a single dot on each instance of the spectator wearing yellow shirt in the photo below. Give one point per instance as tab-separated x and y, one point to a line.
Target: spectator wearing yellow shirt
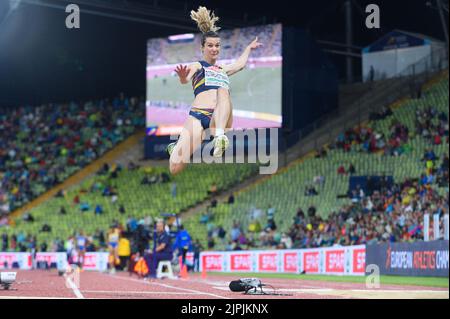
124	251
430	166
406	200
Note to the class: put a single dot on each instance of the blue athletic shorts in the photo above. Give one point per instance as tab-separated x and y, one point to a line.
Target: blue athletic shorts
203	115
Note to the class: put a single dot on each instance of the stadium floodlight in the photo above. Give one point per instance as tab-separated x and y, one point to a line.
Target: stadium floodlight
7	279
181	37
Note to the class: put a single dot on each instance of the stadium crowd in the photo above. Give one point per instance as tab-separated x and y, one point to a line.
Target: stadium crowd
390	213
429	124
383	213
43	145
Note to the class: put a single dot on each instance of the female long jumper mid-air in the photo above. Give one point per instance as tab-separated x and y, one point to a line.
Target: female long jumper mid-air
211	108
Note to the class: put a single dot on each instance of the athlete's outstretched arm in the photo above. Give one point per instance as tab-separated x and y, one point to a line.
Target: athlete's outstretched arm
185	73
240	63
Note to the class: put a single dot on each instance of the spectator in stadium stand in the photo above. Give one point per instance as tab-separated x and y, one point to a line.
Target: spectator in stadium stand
319	180
4	242
81	242
165	178
437	140
162	249
43	247
113	247
4	220
173	190
90	247
299	217
231	199
213	203
211	242
98	209
351	169
323	152
242	240
131	225
371	73
429	155
62	210
236	245
271	212
140	237
235	231
28	217
286	242
341	170
57	127
13	244
84	207
46	228
197	249
212	190
32	243
311	211
311	191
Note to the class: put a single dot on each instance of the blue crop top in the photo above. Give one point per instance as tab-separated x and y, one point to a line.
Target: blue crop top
209	77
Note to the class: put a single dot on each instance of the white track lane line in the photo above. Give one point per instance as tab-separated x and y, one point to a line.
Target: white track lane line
400	291
139	292
31	297
168	286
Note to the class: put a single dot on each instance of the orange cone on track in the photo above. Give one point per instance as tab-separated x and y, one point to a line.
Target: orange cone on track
184	272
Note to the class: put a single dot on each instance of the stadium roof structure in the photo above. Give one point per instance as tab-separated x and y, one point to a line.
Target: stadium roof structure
400	39
419	35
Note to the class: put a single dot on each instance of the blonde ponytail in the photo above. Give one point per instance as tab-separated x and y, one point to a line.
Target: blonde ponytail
206	21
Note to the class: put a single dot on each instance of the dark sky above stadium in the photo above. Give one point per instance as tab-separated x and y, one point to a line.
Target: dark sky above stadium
41	60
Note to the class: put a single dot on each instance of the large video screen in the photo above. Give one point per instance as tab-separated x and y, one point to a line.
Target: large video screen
255	91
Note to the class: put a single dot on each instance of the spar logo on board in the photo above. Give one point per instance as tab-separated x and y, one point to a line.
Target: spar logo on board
311	262
213	262
290	262
90	261
359	260
7	260
334	261
49	258
241	262
23	260
268	261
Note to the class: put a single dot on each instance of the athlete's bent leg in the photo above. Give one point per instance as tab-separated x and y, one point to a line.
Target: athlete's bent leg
222	112
220	121
190	140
